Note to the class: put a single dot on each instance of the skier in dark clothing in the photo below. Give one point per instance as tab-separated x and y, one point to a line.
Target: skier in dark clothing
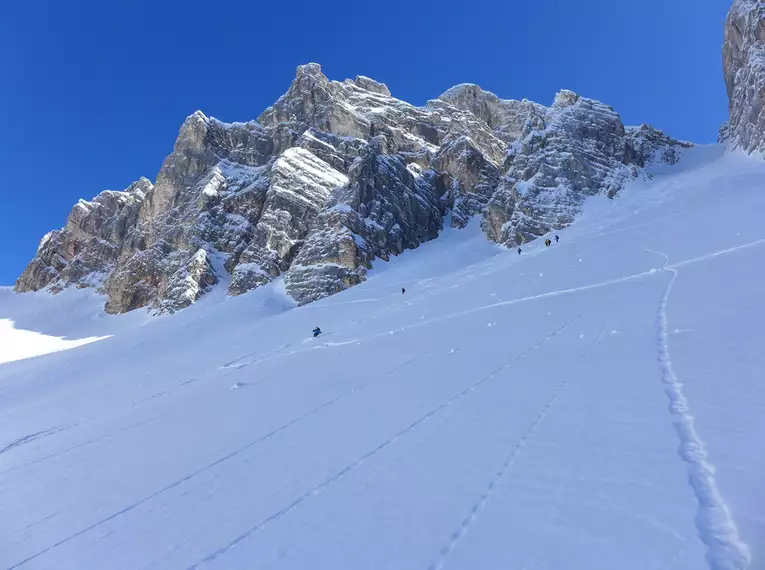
556	238
316	332
519	251
547	242
403	290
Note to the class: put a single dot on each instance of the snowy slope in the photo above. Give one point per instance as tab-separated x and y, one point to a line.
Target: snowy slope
40	323
598	404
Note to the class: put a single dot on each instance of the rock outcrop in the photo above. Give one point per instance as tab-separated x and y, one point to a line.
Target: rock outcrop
744	68
331	177
506	118
299	185
385	208
578	148
84	251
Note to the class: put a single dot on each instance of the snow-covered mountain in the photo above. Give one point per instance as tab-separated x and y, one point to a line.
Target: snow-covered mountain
597	404
593	405
338	174
331	177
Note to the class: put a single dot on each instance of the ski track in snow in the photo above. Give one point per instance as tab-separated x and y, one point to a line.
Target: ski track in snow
725	550
174	389
83	443
419	421
476	508
457	314
32	437
208	466
178	482
714	522
653	271
233	363
718	253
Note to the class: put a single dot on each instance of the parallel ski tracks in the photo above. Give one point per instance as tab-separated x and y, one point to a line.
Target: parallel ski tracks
725	550
263	523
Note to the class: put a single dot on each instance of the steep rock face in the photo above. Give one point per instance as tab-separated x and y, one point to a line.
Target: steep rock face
299	185
652	146
506	118
85	250
744	68
202	143
580	148
331	177
471	177
213	214
385	208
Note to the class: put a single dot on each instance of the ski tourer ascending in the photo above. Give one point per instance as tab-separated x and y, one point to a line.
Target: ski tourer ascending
316	332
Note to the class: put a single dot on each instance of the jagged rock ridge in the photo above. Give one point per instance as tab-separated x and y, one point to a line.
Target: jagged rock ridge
331	177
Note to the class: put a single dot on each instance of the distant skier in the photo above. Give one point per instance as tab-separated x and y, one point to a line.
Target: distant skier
403	290
519	251
548	242
556	238
316	332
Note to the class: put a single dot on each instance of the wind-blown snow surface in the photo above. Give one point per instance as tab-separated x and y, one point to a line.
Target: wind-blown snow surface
598	404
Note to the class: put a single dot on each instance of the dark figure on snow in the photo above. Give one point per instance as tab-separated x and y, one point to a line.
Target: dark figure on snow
316	332
519	251
403	290
547	242
556	238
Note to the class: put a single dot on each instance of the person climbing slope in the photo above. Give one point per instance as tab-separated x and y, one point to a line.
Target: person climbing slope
403	290
519	251
556	238
316	332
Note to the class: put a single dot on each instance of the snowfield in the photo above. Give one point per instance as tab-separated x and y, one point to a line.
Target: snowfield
598	404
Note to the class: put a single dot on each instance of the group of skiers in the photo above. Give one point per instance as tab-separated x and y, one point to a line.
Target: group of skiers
548	243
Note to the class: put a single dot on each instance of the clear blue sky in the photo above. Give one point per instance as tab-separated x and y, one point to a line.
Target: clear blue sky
92	93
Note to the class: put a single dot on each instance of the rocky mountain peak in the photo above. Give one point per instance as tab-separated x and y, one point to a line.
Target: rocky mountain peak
564	98
332	178
372	85
304	101
505	117
310	70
